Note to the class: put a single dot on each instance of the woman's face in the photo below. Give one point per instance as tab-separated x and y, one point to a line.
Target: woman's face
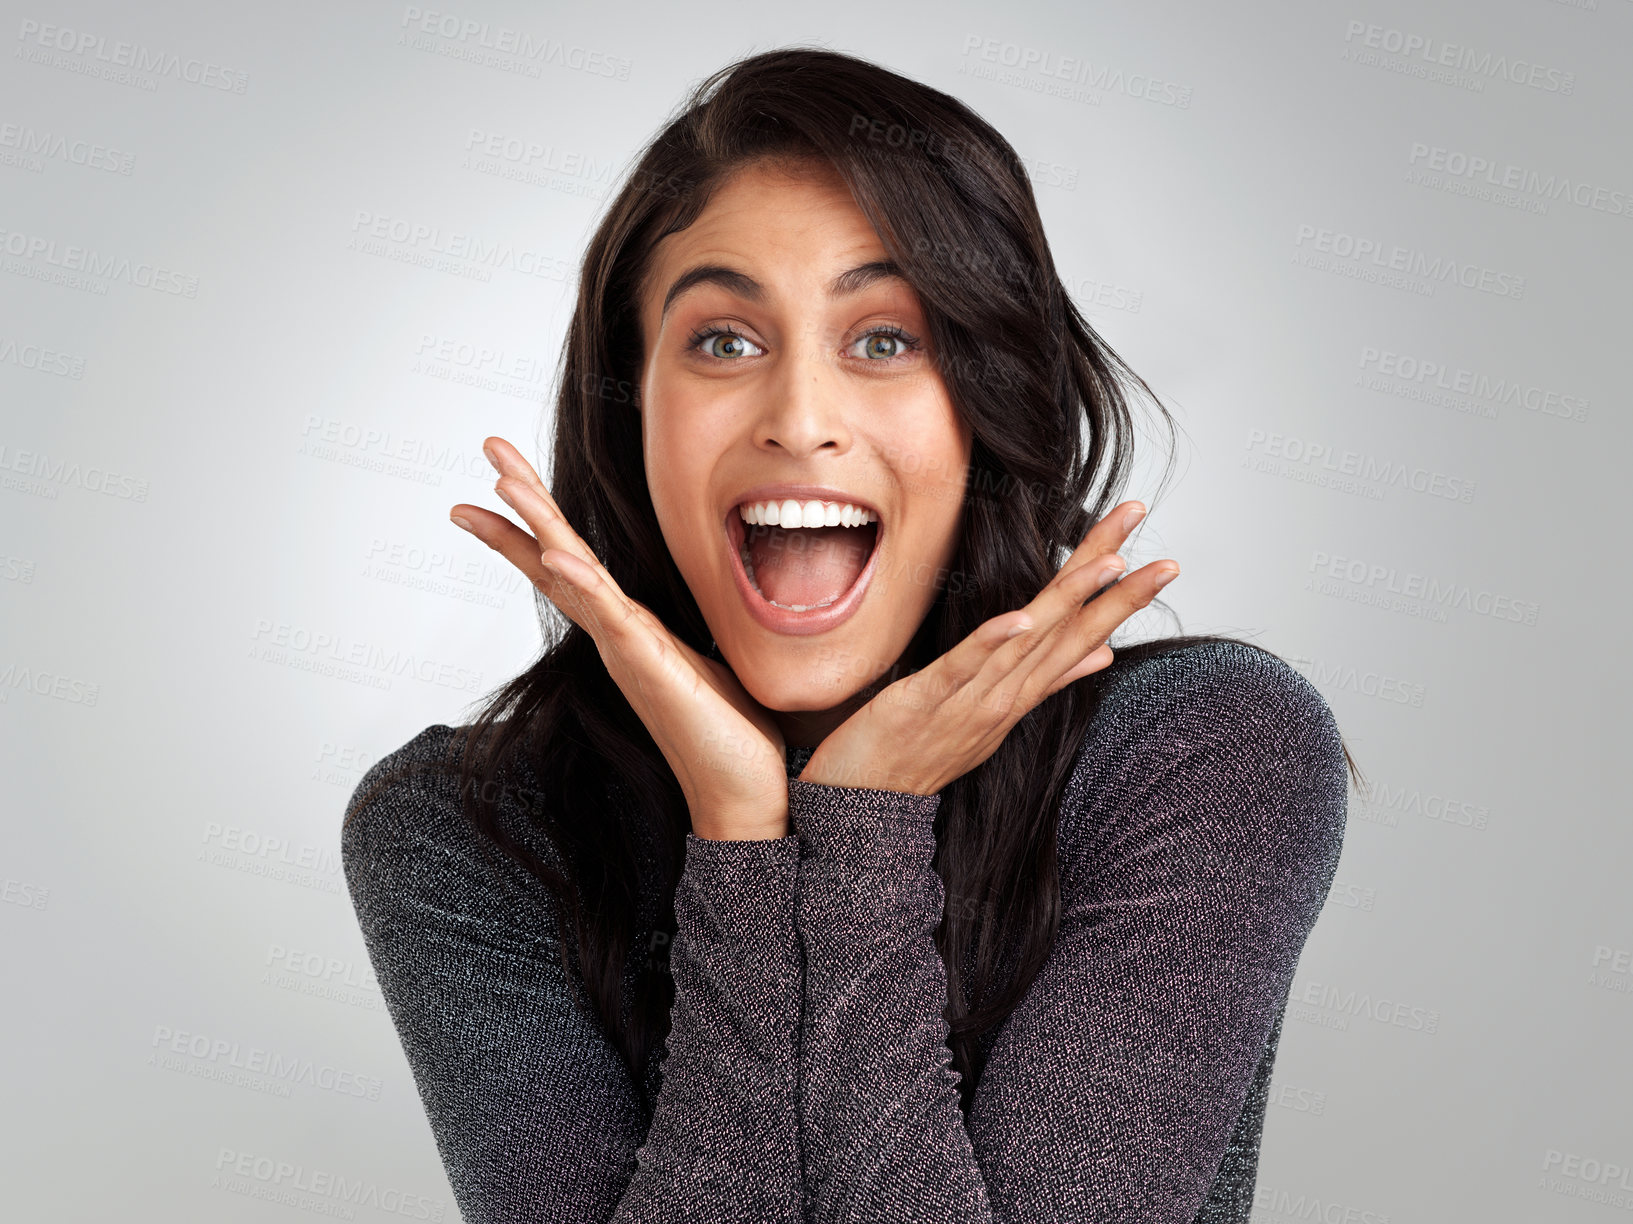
823	392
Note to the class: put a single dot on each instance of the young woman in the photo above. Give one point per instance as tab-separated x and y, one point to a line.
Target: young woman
829	866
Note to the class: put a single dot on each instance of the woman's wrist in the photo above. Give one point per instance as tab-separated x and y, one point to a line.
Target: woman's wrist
726	824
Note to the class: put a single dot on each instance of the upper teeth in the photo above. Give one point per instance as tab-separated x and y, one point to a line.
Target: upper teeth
793	513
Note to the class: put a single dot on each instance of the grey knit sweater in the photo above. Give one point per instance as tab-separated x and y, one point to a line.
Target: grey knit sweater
806	1075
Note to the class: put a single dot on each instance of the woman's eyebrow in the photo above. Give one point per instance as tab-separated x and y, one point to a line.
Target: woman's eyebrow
853	280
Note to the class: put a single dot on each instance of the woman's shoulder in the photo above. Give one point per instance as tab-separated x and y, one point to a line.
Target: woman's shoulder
1216	689
414	777
1231	735
406	821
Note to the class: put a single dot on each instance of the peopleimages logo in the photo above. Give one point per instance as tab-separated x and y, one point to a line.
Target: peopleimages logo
97	53
1077	70
1425	53
355	659
1575	1175
52	472
227	1056
1432	589
1484	171
323	1191
1371	254
1373	469
1389	371
416	242
484	43
87	262
32	145
45	360
1347	1003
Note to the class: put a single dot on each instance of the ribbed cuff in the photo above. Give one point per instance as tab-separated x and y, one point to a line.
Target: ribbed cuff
721	854
846	821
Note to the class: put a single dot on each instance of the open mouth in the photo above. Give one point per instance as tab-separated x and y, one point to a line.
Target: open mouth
798	578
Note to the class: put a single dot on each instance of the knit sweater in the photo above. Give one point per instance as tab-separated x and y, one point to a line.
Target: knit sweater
806	1075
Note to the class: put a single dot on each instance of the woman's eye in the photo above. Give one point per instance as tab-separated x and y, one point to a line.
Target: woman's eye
724	345
887	344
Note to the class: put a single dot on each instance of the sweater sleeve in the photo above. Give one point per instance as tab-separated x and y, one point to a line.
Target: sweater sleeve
534	1113
1198	841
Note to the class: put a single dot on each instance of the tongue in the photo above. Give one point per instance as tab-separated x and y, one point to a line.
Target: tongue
808	565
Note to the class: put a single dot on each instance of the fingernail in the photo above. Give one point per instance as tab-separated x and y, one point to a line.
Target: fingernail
1109	574
1133	516
1016	631
1167	576
505	497
460	521
492	458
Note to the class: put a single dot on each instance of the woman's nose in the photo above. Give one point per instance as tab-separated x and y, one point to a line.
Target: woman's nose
805	410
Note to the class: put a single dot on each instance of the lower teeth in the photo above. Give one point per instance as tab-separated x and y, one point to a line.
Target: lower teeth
748	568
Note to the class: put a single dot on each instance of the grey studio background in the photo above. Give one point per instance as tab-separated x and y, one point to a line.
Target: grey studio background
272	273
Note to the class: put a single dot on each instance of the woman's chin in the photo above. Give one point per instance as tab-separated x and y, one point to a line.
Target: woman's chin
785	687
804	695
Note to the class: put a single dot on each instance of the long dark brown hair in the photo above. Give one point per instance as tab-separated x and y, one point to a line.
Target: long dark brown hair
1049	405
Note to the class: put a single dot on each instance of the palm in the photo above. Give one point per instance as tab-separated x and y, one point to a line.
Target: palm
935	725
724	748
724	681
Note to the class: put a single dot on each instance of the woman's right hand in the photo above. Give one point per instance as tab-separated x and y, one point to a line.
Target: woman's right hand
725	749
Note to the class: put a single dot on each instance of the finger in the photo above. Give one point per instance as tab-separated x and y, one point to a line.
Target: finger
508	461
1100	544
522	550
504	537
1095	660
1106	536
518	483
520	487
1094	562
1061	599
960	665
966	661
1002	680
983	660
1086	637
540	512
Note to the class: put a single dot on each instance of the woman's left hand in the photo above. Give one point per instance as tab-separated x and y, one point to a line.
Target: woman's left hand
942	721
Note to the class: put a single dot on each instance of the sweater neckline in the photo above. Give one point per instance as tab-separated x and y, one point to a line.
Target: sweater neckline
798	758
